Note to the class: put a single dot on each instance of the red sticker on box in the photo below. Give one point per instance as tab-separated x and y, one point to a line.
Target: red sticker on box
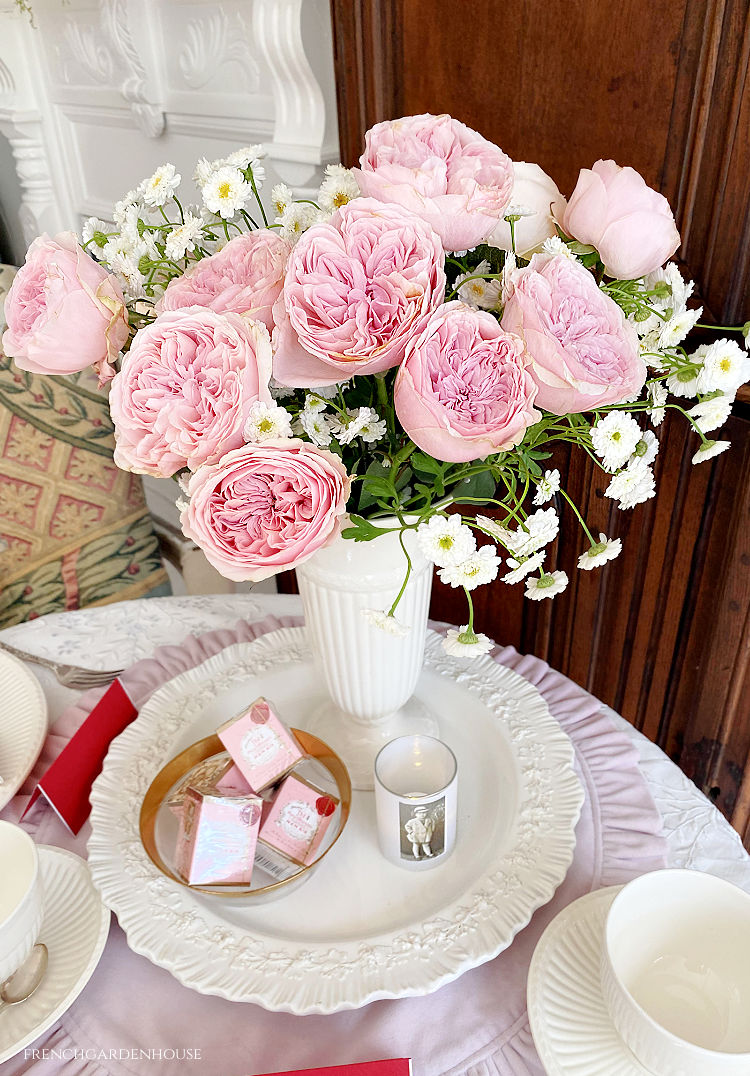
325	806
259	714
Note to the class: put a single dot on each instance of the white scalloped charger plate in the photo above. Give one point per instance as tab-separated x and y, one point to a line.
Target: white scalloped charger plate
23	724
74	929
361	928
572	1029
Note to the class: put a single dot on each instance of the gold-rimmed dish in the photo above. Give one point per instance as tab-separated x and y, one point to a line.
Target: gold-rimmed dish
158	824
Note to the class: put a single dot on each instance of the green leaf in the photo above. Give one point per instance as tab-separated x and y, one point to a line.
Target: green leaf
481	485
421	462
581	248
378	487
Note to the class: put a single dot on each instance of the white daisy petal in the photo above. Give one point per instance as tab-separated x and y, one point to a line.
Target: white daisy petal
614	438
476	570
546	586
459	644
386	622
709	449
547	487
604	550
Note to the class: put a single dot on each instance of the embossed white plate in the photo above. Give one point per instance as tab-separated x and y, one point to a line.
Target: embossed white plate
361	928
74	929
572	1030
23	724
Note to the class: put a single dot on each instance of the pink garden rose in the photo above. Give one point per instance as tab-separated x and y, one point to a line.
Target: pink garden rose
630	224
442	171
584	354
64	311
185	390
357	289
532	189
245	276
266	507
464	391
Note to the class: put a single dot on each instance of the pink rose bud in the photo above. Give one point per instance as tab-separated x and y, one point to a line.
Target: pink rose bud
186	388
584	354
357	289
442	171
630	224
464	391
266	507
64	311
246	276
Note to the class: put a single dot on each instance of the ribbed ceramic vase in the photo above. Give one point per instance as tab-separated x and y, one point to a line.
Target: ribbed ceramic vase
370	675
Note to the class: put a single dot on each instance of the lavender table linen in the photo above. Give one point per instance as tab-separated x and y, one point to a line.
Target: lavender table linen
474	1026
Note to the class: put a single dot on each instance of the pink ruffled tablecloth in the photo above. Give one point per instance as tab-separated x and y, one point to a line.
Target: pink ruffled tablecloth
475	1026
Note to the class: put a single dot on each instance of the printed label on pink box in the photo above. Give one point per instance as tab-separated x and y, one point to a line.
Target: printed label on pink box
261	745
217	838
298	820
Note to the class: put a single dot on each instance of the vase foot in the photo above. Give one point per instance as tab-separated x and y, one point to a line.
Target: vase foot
357	744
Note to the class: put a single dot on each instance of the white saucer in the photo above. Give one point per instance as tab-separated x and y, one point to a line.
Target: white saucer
75	928
572	1029
23	724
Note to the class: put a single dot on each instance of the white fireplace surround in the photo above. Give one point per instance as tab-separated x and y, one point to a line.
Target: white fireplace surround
98	93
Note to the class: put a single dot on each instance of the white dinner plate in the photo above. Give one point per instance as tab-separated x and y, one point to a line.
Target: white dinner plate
74	929
572	1029
23	724
360	928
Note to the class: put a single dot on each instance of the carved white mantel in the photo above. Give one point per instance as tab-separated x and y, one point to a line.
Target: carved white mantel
101	92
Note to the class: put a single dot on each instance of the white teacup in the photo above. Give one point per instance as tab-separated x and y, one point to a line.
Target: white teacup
675	972
21	904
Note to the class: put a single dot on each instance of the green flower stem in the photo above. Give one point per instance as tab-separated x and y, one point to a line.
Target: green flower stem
251	223
722	328
177	203
512	223
400	594
470	626
586	531
257	198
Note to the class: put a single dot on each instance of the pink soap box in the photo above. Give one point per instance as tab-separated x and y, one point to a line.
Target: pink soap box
263	748
217	838
294	826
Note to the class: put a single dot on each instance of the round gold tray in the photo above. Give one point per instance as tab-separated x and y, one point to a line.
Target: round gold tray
171	774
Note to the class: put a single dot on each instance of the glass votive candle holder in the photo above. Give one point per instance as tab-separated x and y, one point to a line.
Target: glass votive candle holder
416	780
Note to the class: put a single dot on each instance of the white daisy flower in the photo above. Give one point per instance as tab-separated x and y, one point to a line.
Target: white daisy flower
726	366
204	169
281	197
95	227
604	550
385	622
481	294
518	211
507	285
540	529
317	428
647	448
280	392
121	207
267	421
679	325
184	237
520	569
160	187
711	414
313	404
546	586
477	569
248	157
364	422
633	485
460	644
683	383
296	219
547	487
118	255
338	188
446	540
614	438
329	392
225	192
657	397
554	245
709	449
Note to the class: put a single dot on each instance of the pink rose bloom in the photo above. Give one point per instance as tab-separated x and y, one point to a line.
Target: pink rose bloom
245	276
442	171
464	391
532	189
584	354
630	224
186	388
357	289
266	507
64	311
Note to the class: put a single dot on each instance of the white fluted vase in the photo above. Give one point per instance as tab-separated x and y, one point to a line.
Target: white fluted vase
370	674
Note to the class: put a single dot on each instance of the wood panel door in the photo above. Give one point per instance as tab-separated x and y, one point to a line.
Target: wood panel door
662	634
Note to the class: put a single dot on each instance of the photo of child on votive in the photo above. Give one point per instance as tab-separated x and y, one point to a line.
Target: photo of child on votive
422	830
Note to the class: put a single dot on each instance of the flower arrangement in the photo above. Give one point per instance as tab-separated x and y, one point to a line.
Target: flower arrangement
412	344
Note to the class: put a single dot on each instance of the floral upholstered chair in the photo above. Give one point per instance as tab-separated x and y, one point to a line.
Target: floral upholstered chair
74	529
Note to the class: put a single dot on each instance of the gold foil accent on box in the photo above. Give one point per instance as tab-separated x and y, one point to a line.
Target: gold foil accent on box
181	765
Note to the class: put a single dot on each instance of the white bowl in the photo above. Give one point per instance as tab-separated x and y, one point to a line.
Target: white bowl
21	905
675	973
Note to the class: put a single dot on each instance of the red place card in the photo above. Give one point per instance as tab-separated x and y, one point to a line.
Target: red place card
398	1066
